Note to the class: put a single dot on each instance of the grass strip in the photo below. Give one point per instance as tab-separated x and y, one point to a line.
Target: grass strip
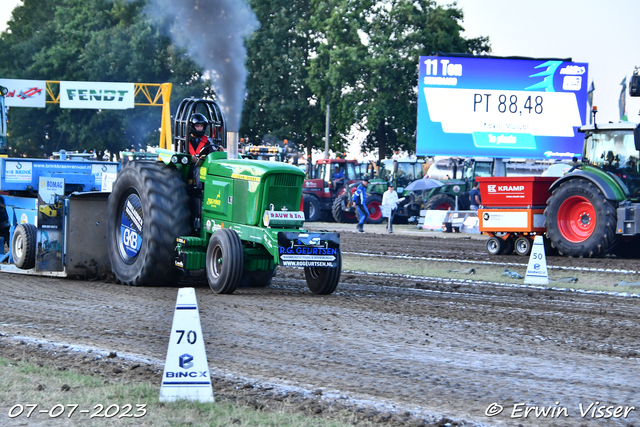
58	392
586	280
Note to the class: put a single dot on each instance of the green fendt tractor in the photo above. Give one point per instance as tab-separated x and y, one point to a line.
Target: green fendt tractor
236	219
596	205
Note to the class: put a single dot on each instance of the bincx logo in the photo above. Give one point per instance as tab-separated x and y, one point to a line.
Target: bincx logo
192	374
491	188
186	361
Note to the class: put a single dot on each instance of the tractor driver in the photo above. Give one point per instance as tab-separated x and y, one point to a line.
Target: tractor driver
337	177
199	144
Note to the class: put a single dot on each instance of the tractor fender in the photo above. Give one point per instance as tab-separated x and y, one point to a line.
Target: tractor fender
598	181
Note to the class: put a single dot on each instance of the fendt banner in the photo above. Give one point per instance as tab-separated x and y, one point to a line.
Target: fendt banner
25	93
97	95
85	95
502	108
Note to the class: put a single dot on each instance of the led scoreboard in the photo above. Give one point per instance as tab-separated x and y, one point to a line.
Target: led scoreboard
494	107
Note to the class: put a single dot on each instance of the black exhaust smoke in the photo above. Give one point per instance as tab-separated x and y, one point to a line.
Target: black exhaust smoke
213	32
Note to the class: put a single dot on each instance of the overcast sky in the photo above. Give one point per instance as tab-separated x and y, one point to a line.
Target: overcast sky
605	34
5	12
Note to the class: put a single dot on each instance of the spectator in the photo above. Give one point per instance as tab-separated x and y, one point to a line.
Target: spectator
390	201
474	197
360	200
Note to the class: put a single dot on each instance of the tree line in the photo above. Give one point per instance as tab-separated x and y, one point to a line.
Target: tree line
359	57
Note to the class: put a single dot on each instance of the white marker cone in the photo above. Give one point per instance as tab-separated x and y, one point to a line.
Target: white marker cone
186	370
537	269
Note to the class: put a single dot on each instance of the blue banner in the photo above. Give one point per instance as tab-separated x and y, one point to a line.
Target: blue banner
503	108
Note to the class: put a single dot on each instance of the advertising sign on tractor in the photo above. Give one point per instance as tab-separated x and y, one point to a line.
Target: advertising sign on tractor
308	249
496	107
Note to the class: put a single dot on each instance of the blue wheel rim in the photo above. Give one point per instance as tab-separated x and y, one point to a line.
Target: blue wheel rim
131	228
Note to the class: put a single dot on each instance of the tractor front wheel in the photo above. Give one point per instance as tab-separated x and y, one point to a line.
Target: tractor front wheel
147	210
324	280
224	261
580	221
312	210
342	211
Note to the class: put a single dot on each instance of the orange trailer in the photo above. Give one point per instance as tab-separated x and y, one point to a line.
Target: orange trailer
512	212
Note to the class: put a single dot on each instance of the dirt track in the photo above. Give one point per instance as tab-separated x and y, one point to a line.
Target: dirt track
430	349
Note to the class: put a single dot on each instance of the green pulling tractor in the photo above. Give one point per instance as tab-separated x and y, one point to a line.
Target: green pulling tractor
237	219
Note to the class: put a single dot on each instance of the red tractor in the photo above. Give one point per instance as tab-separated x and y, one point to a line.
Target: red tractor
321	187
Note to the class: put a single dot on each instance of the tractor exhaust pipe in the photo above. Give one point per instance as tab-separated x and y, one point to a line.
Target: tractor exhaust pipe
232	145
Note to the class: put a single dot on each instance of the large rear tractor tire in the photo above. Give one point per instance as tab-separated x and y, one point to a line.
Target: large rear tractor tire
312	210
324	280
580	221
341	215
224	261
147	210
441	202
23	246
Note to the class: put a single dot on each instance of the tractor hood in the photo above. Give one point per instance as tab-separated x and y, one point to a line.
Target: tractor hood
249	168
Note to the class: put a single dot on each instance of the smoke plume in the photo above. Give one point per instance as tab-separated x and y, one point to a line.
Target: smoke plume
212	32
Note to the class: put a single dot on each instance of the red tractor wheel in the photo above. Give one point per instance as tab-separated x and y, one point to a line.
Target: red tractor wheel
375	212
580	221
576	219
342	210
440	202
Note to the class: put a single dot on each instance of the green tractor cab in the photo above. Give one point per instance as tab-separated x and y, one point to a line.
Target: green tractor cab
234	219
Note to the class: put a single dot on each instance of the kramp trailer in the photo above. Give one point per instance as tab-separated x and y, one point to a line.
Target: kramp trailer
53	216
512	212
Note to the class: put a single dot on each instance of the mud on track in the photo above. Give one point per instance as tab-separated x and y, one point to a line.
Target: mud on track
430	349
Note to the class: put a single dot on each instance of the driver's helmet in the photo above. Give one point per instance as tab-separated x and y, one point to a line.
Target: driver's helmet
195	119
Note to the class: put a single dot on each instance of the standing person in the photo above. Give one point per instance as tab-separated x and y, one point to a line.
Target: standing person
360	200
390	199
474	196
